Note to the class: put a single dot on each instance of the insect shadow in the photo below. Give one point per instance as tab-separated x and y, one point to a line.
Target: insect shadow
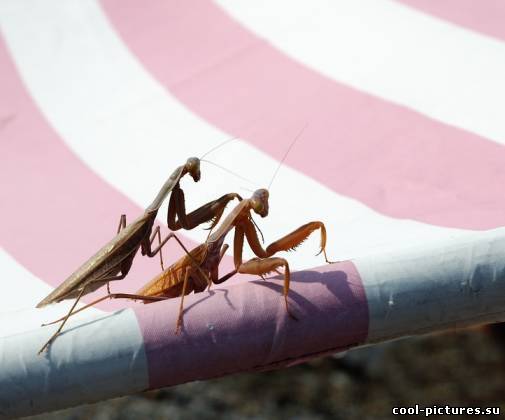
336	282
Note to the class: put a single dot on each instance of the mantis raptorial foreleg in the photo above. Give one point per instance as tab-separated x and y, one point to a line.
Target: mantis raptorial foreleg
295	238
288	242
211	211
214	222
264	264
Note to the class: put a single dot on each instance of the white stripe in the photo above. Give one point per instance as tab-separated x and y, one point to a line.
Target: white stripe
21	291
449	284
446	72
125	126
96	361
20	288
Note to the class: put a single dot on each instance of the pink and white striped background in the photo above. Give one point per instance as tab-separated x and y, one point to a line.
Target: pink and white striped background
100	101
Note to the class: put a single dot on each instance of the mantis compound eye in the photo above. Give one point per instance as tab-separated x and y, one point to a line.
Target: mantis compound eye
260	208
260	202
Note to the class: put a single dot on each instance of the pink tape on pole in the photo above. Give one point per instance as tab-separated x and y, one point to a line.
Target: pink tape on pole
245	327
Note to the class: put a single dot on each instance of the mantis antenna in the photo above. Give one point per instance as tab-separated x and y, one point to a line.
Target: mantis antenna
228	170
287	152
250	123
226	142
222	167
218	146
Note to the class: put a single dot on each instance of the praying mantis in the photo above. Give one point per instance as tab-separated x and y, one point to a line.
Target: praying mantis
183	277
199	268
113	261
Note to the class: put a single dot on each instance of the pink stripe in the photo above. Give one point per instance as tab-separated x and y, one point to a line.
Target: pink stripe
485	16
393	159
245	327
55	211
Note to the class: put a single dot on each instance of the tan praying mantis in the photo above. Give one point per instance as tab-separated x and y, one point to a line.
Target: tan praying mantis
184	277
114	260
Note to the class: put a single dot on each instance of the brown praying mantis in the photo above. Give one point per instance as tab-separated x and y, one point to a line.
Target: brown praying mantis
183	277
114	260
199	268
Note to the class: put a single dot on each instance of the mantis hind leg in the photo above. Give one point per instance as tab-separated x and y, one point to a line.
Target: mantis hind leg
124	268
185	290
195	264
262	266
146	299
71	311
53	337
214	273
121	226
157	233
